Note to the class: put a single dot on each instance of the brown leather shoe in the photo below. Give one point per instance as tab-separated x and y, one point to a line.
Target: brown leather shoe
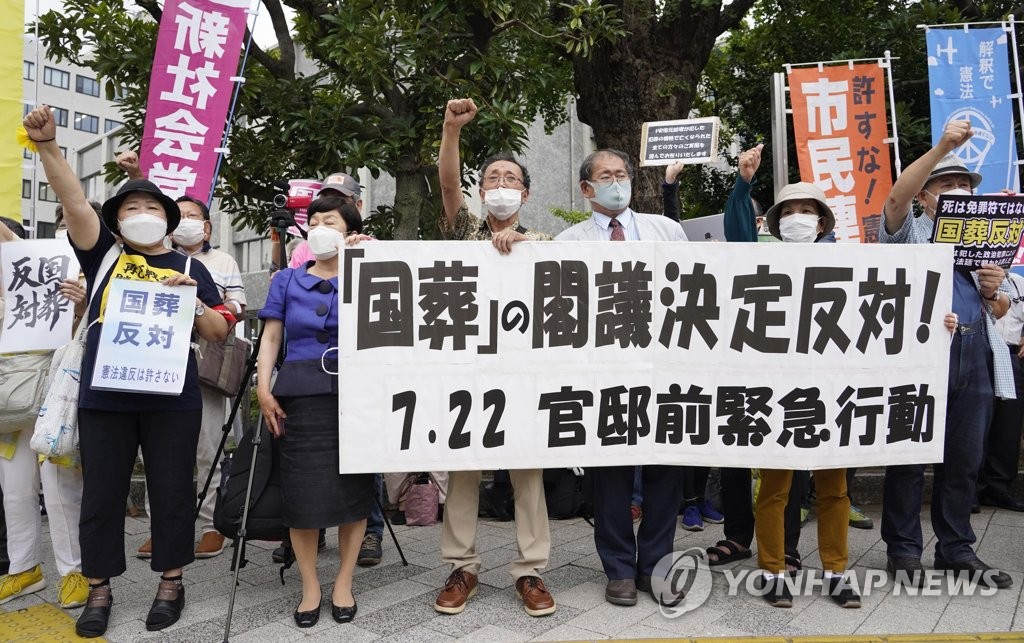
210	545
537	600
459	588
146	551
621	592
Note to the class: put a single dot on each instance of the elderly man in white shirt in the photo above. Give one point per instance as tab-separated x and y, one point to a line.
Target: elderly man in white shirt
628	560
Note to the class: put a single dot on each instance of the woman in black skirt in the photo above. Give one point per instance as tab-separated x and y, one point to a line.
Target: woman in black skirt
302	409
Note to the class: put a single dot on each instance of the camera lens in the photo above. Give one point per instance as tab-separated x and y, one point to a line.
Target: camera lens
280	200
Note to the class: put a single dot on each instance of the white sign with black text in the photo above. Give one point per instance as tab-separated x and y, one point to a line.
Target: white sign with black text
453	357
36	315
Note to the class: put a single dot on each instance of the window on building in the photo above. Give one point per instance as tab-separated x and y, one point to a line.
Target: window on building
46	194
87	123
26	189
28	70
56	78
63	151
25	153
26	108
109	124
60	116
86	85
45	230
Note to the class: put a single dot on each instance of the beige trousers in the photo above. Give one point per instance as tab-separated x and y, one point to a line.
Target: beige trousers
458	534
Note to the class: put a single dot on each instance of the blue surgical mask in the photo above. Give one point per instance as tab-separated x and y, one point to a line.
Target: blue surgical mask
613	196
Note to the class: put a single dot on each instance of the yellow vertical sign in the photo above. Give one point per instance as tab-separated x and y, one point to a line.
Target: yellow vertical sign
12	24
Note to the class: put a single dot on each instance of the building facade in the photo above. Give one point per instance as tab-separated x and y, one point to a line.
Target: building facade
83	115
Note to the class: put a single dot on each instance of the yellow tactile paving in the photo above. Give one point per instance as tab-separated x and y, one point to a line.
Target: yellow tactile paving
43	622
873	638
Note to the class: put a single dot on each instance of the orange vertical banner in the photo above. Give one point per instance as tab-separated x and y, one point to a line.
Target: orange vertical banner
840	127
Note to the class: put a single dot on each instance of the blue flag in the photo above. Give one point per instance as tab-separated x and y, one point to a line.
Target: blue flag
969	79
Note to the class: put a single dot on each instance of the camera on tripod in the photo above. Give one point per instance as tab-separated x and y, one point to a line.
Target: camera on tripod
290	204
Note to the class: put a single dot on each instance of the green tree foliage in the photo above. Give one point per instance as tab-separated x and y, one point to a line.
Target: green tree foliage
381	74
651	75
737	80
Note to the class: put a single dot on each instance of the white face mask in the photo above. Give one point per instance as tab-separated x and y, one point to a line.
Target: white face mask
799	228
503	202
189	232
957	192
323	241
143	229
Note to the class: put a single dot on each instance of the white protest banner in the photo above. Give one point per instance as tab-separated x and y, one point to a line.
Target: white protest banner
146	337
37	316
588	354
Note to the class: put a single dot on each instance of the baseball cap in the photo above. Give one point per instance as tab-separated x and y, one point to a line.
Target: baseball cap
343	183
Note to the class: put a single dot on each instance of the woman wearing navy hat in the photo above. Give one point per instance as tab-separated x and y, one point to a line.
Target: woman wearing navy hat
113	425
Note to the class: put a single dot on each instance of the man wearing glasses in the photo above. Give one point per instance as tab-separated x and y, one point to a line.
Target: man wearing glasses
628	560
504	187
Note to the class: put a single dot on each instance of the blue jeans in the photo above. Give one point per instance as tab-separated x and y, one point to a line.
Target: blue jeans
968	411
375	523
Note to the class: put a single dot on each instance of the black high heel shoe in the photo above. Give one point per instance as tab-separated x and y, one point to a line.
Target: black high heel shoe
307	619
343	614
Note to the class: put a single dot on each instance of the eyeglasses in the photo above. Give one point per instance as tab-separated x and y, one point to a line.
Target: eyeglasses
608	180
507	181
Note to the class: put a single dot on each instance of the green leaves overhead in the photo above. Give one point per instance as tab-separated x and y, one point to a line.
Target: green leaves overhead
383	72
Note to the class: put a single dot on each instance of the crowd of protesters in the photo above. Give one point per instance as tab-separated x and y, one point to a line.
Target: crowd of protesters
636	509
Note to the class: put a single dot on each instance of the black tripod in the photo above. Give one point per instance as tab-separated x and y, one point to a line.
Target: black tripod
281	220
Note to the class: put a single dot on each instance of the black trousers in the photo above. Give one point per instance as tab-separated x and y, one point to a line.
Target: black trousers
1002	448
110	442
695	480
737	505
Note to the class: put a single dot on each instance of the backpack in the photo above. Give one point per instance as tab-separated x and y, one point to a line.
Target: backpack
564	493
266	520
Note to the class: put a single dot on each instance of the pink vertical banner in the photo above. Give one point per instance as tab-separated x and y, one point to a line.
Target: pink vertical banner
190	88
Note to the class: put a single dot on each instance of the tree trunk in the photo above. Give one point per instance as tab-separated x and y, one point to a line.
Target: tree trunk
412	201
649	75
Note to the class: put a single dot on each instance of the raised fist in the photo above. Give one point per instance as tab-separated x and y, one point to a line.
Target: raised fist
40	124
750	161
459	111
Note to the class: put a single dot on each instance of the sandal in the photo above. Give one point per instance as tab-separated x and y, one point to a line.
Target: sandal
167	606
92	622
727	551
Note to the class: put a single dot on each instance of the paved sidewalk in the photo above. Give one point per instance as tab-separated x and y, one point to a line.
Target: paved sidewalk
396	602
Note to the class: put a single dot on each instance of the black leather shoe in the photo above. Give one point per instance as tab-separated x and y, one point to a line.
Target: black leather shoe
92	622
307	619
906	571
167	606
1003	501
987	576
344	614
621	592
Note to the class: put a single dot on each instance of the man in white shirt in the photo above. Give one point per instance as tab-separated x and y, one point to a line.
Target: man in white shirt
628	560
605	180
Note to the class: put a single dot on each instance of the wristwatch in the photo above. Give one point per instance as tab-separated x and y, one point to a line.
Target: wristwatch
200	309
